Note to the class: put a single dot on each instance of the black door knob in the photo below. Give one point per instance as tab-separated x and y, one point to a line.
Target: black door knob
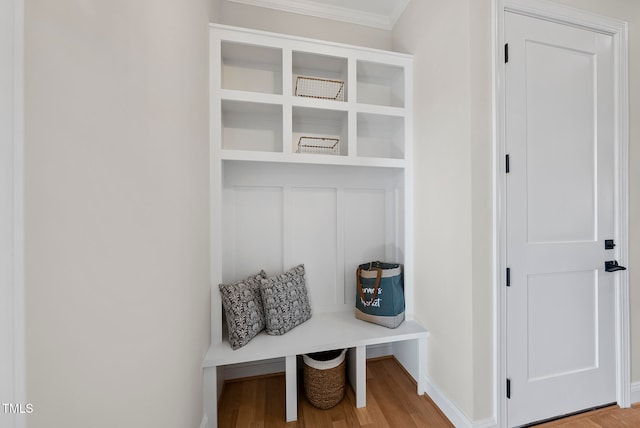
613	266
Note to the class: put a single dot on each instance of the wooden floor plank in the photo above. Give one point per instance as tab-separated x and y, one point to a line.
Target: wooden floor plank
392	402
609	417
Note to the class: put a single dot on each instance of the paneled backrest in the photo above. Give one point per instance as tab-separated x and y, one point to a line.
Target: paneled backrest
331	220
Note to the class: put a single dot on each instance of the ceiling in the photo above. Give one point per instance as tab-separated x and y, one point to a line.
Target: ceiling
373	13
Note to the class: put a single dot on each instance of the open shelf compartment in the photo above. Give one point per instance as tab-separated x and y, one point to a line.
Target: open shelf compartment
380	136
319	76
320	124
380	84
251	68
251	126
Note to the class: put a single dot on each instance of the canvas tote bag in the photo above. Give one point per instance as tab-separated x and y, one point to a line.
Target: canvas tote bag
380	293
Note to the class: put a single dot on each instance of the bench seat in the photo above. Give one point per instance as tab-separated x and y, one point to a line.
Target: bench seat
323	332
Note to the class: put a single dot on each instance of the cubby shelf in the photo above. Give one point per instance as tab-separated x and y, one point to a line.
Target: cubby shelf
316	159
253	68
263	68
273	207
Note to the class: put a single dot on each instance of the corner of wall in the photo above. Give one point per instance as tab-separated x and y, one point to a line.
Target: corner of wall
635	392
456	416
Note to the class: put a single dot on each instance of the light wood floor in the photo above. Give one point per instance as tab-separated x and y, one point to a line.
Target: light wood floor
391	402
609	417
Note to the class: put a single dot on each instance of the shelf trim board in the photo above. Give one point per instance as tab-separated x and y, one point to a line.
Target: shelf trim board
347	332
360	369
353	116
302	158
215	177
287	71
287	129
320	104
353	134
212	390
287	247
291	381
381	110
248	97
296	101
408	194
340	245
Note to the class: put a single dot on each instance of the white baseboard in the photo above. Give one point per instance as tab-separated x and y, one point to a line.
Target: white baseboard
486	423
205	421
255	368
381	350
452	412
635	392
460	420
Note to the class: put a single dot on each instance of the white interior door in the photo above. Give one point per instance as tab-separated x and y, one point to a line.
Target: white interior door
560	136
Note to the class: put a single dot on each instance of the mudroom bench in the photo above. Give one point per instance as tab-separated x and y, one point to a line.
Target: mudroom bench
278	201
325	331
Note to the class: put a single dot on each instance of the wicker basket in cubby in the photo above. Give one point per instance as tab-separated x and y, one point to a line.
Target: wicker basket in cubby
324	378
319	145
314	87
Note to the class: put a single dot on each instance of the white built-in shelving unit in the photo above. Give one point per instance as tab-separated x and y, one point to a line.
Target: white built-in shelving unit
273	208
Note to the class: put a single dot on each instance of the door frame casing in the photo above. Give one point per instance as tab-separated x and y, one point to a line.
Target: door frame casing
619	31
12	286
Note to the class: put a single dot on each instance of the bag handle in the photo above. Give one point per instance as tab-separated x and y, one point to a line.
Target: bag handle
375	290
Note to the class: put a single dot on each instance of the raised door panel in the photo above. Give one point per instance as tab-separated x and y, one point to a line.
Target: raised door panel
561	137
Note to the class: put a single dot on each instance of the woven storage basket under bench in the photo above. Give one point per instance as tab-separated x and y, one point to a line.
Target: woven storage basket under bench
324	378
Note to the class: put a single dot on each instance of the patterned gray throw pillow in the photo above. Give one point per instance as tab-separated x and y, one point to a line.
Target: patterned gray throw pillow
285	300
243	309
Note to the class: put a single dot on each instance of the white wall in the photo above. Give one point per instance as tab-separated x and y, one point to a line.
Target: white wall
482	211
116	212
438	35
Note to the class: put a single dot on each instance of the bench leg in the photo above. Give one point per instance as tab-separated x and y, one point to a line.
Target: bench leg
211	396
422	366
291	380
358	374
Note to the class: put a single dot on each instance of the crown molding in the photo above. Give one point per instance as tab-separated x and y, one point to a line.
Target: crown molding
336	13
